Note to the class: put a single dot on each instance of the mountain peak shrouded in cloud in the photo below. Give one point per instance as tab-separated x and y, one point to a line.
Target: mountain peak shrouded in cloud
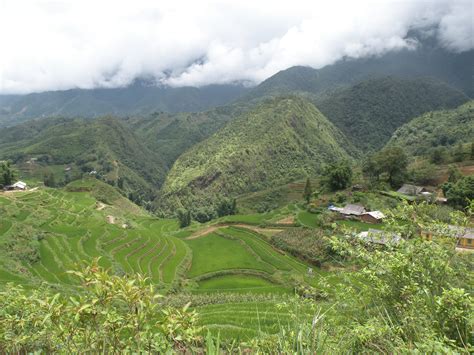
57	45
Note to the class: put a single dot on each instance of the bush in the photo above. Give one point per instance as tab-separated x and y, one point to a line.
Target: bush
113	315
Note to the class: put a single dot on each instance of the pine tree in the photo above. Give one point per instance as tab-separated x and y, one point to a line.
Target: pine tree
308	191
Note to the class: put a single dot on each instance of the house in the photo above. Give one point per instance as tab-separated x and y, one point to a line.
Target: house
411	190
464	235
19	185
372	217
466	241
376	236
353	210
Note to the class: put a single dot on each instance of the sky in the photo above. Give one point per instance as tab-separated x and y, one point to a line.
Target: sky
56	45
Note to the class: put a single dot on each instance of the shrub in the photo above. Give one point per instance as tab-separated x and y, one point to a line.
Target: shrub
113	314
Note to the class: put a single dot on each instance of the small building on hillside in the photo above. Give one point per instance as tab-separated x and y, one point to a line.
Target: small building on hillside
464	235
352	210
19	185
372	217
380	237
411	190
466	241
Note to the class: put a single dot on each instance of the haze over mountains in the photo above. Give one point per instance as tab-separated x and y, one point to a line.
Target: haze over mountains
144	98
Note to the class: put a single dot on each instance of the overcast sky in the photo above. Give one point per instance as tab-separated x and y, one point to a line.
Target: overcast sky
53	45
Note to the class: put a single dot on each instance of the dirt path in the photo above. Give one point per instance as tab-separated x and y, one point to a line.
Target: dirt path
210	229
100	206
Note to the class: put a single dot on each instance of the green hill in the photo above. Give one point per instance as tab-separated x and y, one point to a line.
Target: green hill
427	60
370	111
444	128
279	140
105	145
170	135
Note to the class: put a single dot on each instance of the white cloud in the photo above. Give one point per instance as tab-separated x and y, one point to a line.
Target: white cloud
53	45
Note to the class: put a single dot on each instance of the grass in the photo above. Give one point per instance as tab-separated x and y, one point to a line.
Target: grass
213	253
243	321
307	219
240	283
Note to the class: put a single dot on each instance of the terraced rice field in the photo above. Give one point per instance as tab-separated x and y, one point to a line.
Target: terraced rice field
245	320
74	233
233	258
70	231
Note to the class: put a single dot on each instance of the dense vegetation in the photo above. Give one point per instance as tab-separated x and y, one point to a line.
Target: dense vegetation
276	142
69	148
369	112
438	134
170	135
407	297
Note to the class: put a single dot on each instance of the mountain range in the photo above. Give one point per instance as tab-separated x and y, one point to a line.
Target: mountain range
194	146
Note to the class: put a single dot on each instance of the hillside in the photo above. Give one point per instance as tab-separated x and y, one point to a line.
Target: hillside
444	128
277	141
370	111
75	146
170	135
427	60
141	98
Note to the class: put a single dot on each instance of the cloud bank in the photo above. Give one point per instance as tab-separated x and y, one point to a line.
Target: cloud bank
56	45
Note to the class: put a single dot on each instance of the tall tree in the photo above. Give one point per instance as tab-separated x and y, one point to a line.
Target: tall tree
184	217
7	174
337	176
308	190
391	161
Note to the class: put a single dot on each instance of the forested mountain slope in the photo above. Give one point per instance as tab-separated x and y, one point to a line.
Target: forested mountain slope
105	145
279	140
427	60
370	111
444	128
170	135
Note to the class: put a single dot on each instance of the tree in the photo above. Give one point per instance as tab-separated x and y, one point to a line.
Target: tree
454	174
461	193
7	174
391	161
437	155
226	207
49	180
204	214
458	154
337	176
422	172
308	191
472	150
184	217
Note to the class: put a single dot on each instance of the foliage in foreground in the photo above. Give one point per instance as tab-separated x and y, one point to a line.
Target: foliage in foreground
112	314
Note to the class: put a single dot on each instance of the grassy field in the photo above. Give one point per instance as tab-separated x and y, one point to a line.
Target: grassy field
241	284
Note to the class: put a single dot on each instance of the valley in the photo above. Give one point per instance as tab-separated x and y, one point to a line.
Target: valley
324	210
